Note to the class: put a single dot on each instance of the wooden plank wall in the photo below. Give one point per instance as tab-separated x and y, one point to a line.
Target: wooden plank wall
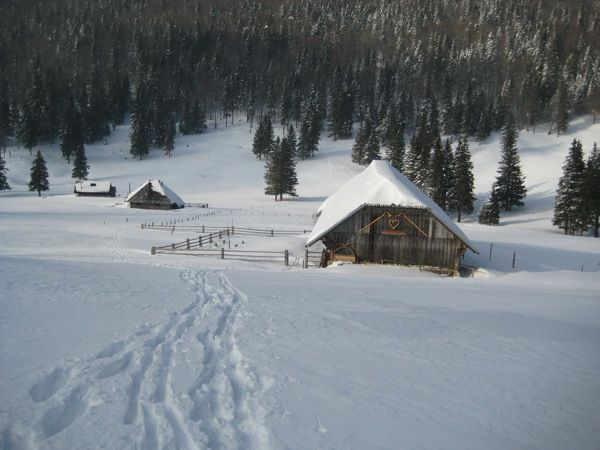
426	241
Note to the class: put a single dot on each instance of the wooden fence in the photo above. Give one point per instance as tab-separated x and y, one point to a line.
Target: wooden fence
203	246
228	231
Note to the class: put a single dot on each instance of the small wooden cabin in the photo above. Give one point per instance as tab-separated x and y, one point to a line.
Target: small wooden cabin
154	194
89	188
381	217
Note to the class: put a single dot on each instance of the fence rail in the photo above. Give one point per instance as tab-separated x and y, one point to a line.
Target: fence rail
233	230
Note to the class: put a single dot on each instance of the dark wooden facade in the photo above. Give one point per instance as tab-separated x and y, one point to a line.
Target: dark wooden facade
397	235
147	198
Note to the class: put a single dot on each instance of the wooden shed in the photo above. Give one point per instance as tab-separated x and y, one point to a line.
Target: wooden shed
89	188
380	216
154	194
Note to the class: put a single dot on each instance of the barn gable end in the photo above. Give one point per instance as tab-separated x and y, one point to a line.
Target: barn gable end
380	216
154	194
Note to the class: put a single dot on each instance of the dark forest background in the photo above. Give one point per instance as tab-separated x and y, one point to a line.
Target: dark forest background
192	61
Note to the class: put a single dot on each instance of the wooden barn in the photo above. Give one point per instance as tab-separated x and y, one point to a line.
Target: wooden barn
88	188
381	217
154	194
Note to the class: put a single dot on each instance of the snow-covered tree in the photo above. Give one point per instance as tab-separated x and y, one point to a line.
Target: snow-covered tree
3	179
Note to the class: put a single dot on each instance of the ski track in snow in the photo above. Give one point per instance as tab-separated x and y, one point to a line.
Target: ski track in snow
219	410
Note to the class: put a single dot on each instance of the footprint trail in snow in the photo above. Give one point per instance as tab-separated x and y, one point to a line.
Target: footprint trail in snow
135	384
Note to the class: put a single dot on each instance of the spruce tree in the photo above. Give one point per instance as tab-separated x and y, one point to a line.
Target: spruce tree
393	137
461	194
168	144
490	210
280	174
363	136
570	212
3	179
263	138
372	149
442	174
305	141
510	181
71	135
592	189
560	109
291	137
80	166
39	175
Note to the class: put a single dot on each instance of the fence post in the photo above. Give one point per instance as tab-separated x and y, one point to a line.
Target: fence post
153	251
173	246
187	241
200	241
202	229
232	229
271	233
222	253
210	238
286	258
227	231
514	258
306	258
220	234
491	246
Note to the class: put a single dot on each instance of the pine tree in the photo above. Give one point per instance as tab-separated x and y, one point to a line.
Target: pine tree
280	175
442	174
363	136
560	109
461	194
394	137
71	135
3	179
510	181
291	136
570	212
490	210
39	175
263	138
168	144
141	124
80	166
305	141
372	149
592	189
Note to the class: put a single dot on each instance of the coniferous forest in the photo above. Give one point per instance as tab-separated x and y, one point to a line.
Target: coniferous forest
164	62
72	70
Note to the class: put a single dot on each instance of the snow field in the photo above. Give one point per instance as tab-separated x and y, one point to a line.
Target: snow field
104	345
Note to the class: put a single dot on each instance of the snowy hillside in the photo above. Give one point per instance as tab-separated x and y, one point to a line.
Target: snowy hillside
103	345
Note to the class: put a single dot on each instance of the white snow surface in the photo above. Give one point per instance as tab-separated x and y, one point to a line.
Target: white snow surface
378	184
103	345
162	189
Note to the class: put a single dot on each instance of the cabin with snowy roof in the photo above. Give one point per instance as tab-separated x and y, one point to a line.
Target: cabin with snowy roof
380	216
88	188
154	194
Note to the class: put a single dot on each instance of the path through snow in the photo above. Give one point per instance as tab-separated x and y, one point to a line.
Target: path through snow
218	408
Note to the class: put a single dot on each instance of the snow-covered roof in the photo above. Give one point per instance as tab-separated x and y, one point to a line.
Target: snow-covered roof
378	184
89	186
161	188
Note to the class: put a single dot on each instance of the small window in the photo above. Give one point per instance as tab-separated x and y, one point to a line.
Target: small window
92	184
